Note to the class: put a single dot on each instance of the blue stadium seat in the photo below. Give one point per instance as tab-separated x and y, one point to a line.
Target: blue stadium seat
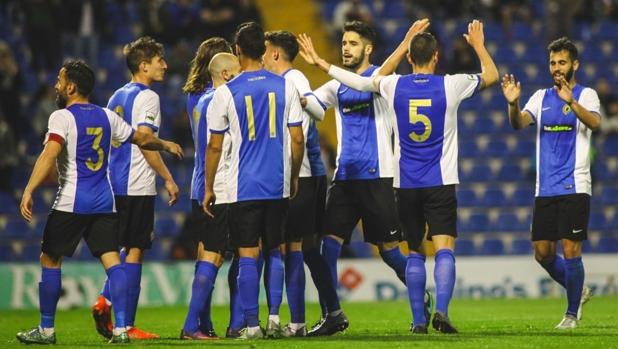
492	247
600	171
524	148
597	221
587	247
610	147
479	173
521	246
467	149
523	196
610	196
6	252
510	172
464	247
165	227
8	204
493	198
607	244
478	222
18	228
466	198
30	252
507	222
496	148
607	30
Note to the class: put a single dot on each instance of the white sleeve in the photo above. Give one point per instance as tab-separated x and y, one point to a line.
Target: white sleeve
533	107
148	112
122	132
326	94
295	110
463	85
355	81
313	106
217	112
387	86
590	100
57	124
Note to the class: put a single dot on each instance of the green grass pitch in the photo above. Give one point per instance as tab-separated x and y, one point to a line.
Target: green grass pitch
498	323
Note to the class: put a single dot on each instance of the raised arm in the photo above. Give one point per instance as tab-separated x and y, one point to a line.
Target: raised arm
476	38
392	62
512	92
588	118
355	81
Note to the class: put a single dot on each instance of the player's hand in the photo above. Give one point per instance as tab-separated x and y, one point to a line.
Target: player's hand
417	27
173	149
511	88
307	51
209	202
26	206
564	90
172	191
293	188
475	36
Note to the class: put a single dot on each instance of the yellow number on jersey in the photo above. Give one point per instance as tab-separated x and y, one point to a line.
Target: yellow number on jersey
196	122
97	132
416	117
272	116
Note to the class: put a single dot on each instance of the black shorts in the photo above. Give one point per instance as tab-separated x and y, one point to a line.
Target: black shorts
64	230
306	210
252	220
135	221
214	232
372	200
561	217
433	206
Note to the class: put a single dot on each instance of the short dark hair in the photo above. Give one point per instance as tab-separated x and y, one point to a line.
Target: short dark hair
79	73
361	28
422	48
285	40
564	44
250	38
141	50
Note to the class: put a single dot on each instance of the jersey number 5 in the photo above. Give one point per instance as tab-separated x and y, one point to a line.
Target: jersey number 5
416	117
97	132
272	116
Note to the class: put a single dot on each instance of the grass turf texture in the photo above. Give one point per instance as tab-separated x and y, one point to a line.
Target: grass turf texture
498	323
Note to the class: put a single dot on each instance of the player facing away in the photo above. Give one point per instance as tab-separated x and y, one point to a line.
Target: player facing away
565	116
78	141
133	174
214	231
262	113
425	122
304	221
362	187
198	324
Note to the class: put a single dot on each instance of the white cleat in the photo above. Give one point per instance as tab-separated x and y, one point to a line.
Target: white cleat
586	295
567	323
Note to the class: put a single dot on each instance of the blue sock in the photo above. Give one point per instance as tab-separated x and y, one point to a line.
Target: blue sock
295	286
330	251
49	293
320	274
416	277
397	261
205	320
237	318
118	290
105	290
273	279
134	279
444	277
249	288
556	269
574	283
203	282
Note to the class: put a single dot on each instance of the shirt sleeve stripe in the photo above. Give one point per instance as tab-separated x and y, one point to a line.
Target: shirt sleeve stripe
294	124
153	127
219	131
56	138
531	114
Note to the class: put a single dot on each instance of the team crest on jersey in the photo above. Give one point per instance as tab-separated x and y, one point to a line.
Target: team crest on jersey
566	109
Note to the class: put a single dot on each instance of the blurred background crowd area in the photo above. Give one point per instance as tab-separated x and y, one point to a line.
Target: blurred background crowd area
496	163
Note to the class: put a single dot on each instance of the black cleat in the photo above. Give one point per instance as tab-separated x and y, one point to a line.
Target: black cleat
442	323
421	329
329	326
232	333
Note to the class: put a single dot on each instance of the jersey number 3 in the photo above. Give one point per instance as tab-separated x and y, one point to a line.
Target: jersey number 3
416	117
97	132
272	116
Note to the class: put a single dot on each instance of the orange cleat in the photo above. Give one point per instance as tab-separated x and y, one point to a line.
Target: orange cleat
136	333
102	314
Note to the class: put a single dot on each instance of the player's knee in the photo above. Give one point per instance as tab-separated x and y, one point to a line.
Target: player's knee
49	261
571	249
249	252
387	246
543	257
296	246
135	255
336	238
